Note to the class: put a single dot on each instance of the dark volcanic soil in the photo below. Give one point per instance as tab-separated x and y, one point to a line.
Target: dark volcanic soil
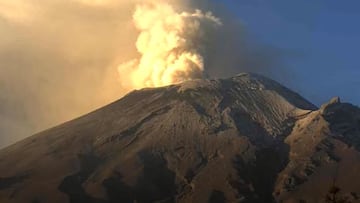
242	139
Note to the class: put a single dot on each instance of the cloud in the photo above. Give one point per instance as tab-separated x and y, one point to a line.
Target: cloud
17	11
59	64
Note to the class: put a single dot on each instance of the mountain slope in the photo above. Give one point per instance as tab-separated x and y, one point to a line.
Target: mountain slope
242	139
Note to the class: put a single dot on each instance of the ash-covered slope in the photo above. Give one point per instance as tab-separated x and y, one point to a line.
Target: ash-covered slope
242	139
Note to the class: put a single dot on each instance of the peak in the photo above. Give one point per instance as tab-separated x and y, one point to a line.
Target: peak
251	75
332	102
242	88
335	100
198	84
245	74
246	80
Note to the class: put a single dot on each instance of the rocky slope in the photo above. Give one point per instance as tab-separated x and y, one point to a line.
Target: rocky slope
242	139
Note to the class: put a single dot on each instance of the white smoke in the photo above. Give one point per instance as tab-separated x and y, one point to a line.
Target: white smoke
172	46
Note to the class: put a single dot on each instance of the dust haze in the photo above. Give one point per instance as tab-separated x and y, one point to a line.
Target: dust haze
61	59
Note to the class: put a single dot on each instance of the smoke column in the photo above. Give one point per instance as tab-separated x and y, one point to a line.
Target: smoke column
172	46
62	59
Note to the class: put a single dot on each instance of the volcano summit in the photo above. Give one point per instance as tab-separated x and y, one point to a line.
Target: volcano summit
241	139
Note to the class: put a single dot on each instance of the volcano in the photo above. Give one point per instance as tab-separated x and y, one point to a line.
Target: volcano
242	139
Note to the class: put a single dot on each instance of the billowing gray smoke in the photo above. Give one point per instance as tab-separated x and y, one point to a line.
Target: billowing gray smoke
60	59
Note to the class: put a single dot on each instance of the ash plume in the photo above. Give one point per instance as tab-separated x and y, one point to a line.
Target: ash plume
172	45
60	59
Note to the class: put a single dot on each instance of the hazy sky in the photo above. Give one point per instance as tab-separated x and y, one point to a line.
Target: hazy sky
60	59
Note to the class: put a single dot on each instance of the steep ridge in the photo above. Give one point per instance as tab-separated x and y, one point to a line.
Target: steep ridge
242	139
324	152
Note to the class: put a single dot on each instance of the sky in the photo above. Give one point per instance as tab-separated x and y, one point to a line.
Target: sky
320	39
61	59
